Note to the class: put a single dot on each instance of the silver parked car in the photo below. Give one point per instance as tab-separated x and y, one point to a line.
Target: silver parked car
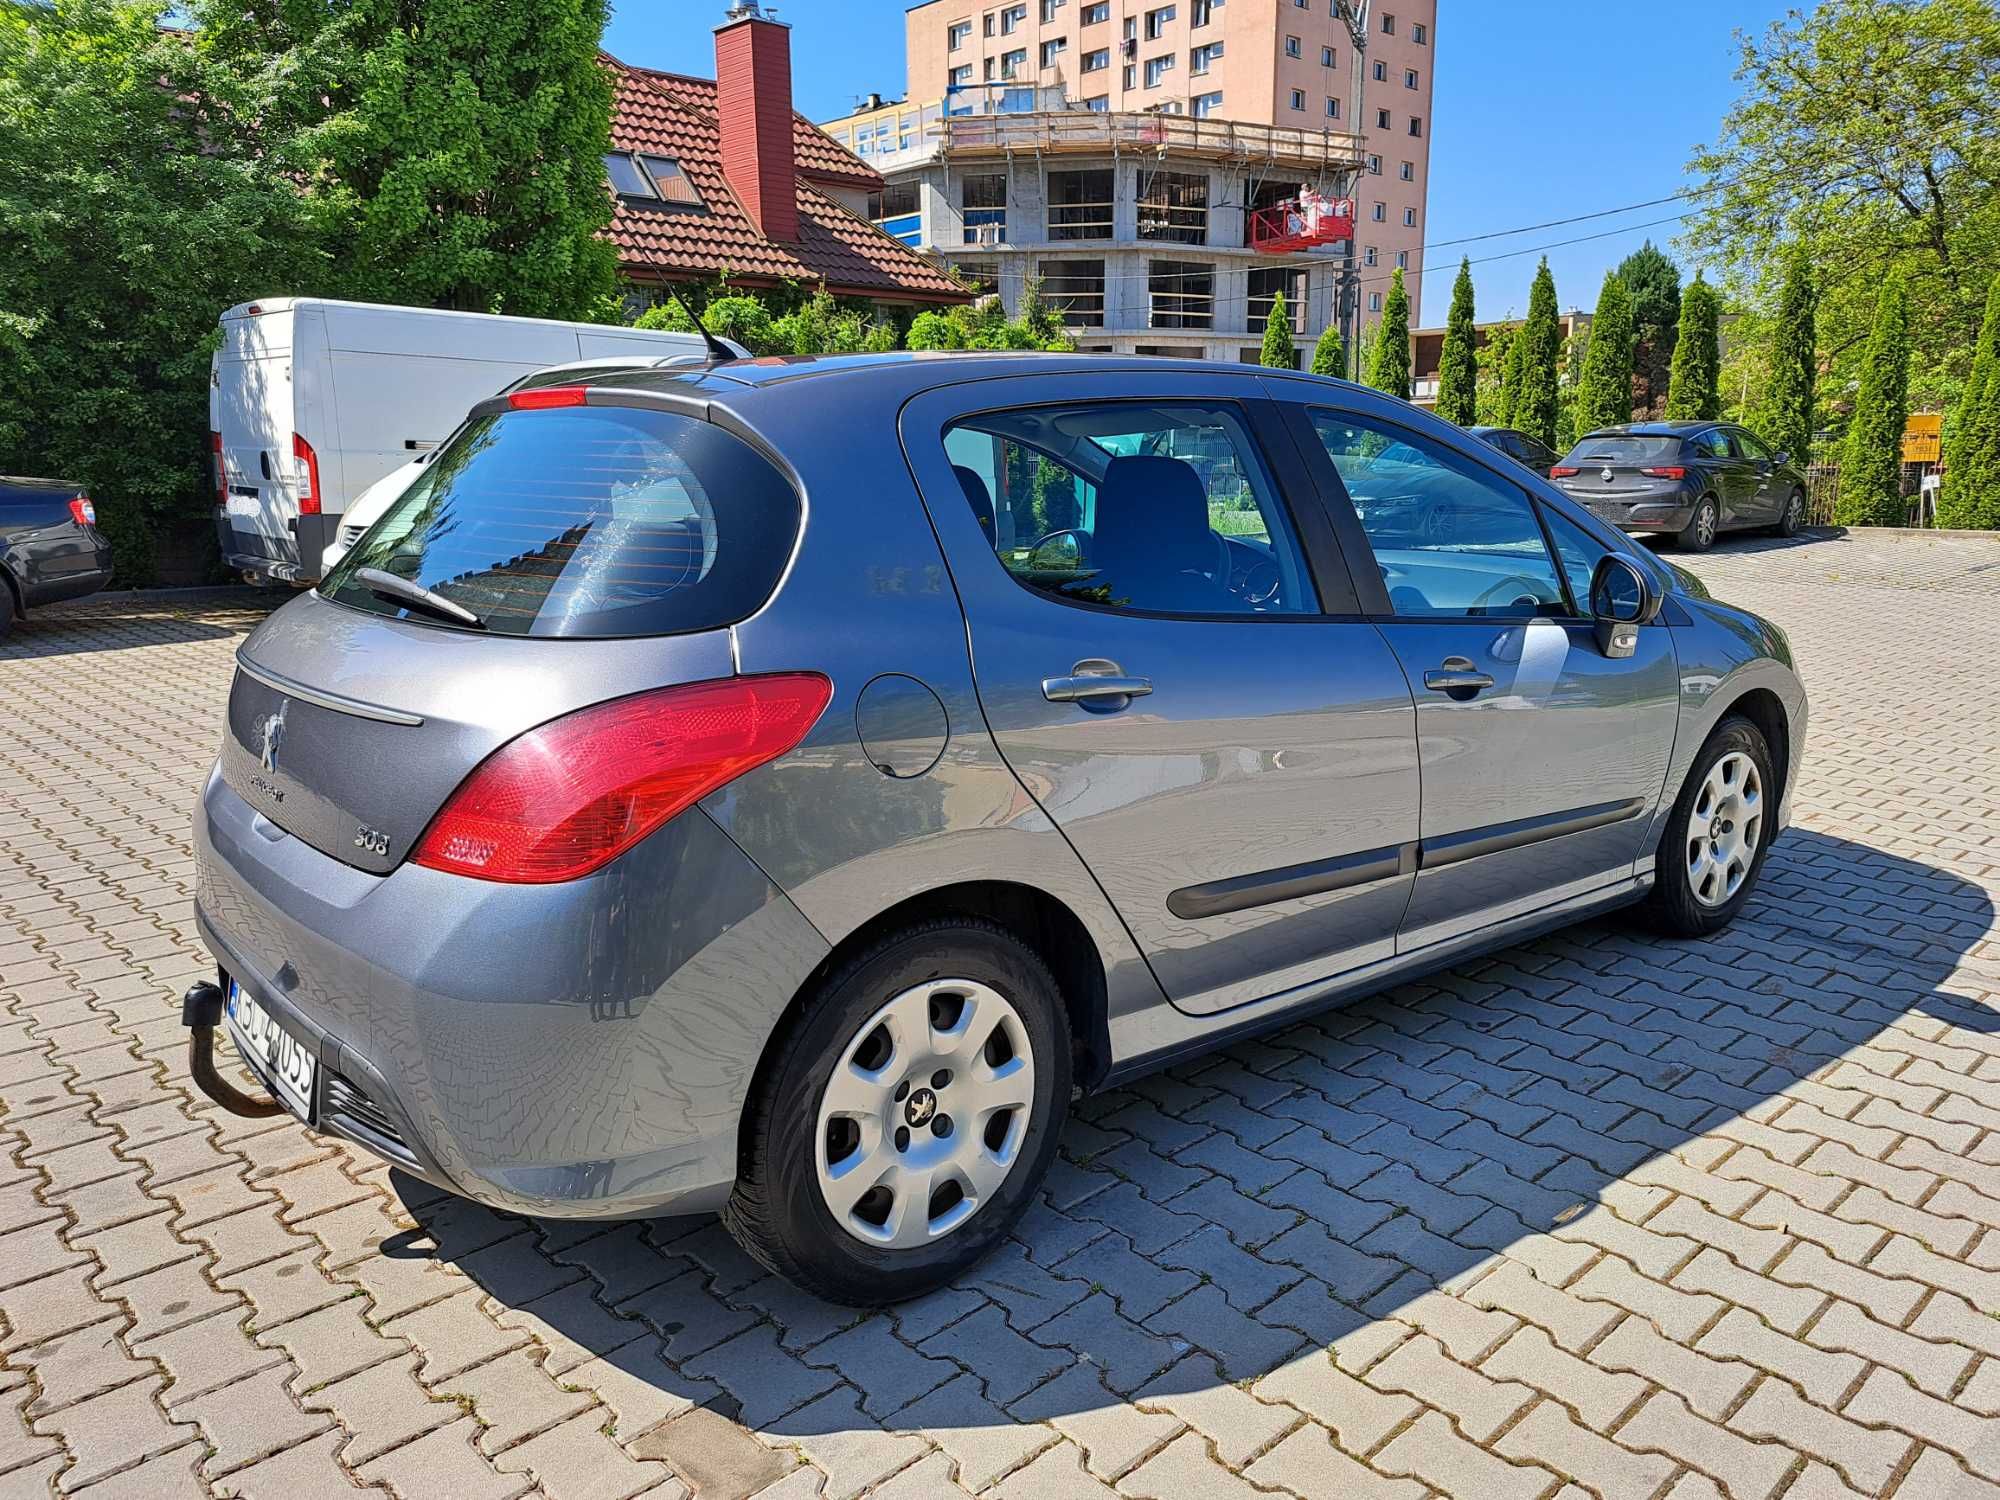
775	787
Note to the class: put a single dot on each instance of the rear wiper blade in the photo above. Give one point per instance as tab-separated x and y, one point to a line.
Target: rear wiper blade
402	591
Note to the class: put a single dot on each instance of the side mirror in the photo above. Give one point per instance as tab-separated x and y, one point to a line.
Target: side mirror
1622	598
1781	457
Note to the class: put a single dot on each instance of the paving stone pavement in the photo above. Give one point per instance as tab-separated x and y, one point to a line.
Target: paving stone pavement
1601	1215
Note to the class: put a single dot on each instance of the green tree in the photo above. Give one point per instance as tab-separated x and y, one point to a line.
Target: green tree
1499	376
1604	387
1537	397
455	147
1458	364
1329	354
1389	370
1278	353
1869	130
124	230
1871	458
1692	393
1655	284
1795	359
935	330
1971	495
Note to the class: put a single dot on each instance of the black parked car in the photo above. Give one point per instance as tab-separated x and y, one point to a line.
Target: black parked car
1517	445
1688	480
50	547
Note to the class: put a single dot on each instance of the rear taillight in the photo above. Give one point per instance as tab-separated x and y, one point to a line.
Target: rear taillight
1669	471
82	511
574	794
546	396
308	462
221	477
1563	471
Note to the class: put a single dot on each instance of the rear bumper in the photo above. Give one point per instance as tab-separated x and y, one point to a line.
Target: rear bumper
582	1050
65	562
1647	516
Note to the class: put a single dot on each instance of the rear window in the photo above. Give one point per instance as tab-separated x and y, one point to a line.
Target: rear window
590	522
1624	448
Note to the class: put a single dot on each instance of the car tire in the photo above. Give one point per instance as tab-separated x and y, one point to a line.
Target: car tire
1699	533
799	1129
1794	517
9	613
1693	896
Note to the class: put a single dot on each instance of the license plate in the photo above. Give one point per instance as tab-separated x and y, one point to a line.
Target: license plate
244	507
274	1054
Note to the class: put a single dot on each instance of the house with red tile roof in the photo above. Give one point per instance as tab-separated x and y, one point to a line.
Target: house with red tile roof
722	176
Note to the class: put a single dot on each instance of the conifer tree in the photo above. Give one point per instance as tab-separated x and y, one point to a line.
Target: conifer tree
1604	388
1795	359
1458	365
1871	459
1971	495
1279	351
1390	369
1537	399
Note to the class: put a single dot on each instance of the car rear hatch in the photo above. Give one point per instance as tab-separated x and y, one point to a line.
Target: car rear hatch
1613	472
571	555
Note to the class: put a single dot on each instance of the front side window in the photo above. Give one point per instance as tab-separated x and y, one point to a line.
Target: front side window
1578	551
584	522
1452	541
1154	507
1749	447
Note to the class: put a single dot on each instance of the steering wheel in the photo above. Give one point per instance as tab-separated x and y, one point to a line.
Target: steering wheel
1489	597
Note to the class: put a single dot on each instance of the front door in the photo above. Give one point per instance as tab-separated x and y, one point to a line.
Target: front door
1155	640
1541	756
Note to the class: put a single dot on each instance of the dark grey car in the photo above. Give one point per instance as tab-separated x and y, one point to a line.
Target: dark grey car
50	547
1687	480
1518	445
773	788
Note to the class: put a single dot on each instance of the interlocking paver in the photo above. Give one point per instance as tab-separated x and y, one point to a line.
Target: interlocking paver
1762	1172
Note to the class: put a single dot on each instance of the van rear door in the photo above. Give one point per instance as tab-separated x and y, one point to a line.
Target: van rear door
251	405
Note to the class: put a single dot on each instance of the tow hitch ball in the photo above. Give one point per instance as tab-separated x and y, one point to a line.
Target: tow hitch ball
201	1013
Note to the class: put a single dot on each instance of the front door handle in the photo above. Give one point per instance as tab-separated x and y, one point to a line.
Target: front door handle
1458	677
1093	680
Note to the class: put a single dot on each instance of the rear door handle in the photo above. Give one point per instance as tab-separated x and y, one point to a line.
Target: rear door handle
1456	675
1094	678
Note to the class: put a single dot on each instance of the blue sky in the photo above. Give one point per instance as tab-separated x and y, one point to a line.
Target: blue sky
1542	111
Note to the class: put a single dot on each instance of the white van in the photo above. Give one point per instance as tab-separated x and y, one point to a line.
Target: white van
312	401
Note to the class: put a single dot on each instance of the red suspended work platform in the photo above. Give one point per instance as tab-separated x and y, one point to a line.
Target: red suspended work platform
1302	223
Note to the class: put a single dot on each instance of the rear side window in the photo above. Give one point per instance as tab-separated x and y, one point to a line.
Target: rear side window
586	522
1625	448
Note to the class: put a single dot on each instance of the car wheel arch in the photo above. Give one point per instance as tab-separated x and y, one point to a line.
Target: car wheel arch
1763	708
1046	924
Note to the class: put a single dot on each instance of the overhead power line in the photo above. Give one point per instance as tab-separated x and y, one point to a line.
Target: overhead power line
1602	213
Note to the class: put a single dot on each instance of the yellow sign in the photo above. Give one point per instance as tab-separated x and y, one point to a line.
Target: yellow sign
1923	437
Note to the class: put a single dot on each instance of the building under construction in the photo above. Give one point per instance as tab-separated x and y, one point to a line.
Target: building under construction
1152	232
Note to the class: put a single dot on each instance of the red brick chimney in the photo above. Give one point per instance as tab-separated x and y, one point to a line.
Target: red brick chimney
753	100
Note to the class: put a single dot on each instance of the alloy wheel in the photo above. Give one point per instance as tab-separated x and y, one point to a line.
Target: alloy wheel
925	1114
1723	829
1704	523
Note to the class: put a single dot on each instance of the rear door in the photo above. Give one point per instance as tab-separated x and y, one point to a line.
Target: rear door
1766	500
252	395
1541	757
1733	477
1167	654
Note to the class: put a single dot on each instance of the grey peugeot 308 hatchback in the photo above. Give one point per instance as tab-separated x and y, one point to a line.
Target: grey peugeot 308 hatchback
774	787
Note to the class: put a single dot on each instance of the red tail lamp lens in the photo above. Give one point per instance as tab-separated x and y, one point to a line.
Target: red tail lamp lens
1670	471
221	476
1563	471
82	511
571	796
546	396
309	461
